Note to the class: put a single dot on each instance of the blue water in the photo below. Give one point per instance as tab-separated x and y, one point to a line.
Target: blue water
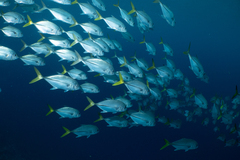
211	26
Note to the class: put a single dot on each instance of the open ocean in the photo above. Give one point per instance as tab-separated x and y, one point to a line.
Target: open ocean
212	27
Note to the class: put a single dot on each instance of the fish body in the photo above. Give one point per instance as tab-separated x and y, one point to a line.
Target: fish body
25	1
32	59
143	118
5	3
89	88
11	31
7	54
13	17
99	4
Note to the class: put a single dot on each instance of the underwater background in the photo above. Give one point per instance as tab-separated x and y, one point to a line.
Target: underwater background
212	27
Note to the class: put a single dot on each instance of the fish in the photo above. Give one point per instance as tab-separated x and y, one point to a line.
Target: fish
5	3
71	34
33	8
99	4
75	73
133	69
7	54
87	9
58	81
59	14
64	2
25	1
150	47
114	121
128	36
46	27
134	86
144	118
141	62
166	48
13	17
143	17
11	31
57	41
125	15
89	28
65	54
109	105
113	23
89	88
65	112
182	144
167	13
31	59
39	47
109	42
96	65
117	45
83	130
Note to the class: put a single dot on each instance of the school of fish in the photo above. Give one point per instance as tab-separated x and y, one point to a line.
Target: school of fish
147	85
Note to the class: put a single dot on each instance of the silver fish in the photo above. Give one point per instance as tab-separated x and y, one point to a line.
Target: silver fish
12	32
113	23
64	2
57	41
5	3
58	81
109	105
83	130
7	54
31	59
114	121
89	88
25	1
39	47
46	27
99	4
75	73
65	112
13	17
87	9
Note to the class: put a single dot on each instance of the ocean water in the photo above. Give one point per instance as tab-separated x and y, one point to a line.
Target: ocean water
26	133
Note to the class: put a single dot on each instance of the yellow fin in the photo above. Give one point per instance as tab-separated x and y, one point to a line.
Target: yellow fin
39	76
143	40
188	51
24	45
66	133
133	9
79	59
99	16
64	70
120	81
125	62
90	105
74	2
194	90
236	93
100	118
116	5
153	66
166	145
51	110
75	22
156	1
29	22
43	37
161	41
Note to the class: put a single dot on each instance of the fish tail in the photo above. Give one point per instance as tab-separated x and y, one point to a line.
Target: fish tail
74	2
64	70
220	116
66	133
116	5
125	62
153	66
50	52
17	5
188	51
75	22
166	145
2	13
120	81
164	88
167	103
62	30
29	22
133	9
134	57
75	40
97	75
115	56
194	92
236	93
43	37
156	1
100	118
99	16
143	40
51	110
90	105
43	8
39	76
24	45
147	84
161	41
79	59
